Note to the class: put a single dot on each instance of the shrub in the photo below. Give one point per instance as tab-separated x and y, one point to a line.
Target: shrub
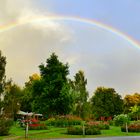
92	131
75	130
37	127
79	130
99	125
121	119
5	126
64	121
134	127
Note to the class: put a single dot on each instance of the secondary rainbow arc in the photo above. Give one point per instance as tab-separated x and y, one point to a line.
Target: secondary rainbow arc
105	27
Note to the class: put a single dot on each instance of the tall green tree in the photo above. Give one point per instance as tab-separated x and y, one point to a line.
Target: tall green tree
106	102
81	94
12	99
27	98
5	123
51	92
2	80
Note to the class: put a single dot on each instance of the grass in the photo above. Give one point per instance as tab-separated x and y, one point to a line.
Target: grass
18	133
116	131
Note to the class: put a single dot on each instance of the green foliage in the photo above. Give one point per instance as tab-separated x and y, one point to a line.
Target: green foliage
64	121
51	92
75	130
121	119
79	130
106	102
12	98
135	111
99	125
5	125
82	107
133	127
2	80
130	101
28	98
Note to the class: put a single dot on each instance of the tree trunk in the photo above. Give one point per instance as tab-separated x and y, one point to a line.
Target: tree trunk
126	126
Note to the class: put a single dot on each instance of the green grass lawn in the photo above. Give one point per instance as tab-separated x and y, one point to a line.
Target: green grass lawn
18	133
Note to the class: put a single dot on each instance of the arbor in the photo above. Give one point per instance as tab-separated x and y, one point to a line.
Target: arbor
81	94
51	92
106	102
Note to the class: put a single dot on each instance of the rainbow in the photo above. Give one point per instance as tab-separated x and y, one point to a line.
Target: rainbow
105	27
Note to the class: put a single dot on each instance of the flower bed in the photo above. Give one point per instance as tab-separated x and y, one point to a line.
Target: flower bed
99	125
37	127
134	127
64	121
34	124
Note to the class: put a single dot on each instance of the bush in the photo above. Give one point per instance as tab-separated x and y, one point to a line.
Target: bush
75	130
64	121
92	131
99	125
134	127
121	119
5	126
79	131
37	127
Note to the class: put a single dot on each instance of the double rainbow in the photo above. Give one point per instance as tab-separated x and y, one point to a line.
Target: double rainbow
105	27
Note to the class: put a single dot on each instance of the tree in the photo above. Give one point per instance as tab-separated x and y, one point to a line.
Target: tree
122	119
130	101
12	99
27	98
2	80
106	102
5	123
51	92
135	110
81	94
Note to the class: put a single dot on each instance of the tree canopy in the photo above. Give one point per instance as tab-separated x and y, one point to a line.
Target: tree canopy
51	92
106	102
130	101
2	80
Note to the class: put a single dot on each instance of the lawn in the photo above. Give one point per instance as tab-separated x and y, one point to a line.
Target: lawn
18	133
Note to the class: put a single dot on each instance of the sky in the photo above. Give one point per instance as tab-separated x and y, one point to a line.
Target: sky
107	57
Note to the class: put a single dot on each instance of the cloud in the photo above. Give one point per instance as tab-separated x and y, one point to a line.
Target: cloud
107	59
28	45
